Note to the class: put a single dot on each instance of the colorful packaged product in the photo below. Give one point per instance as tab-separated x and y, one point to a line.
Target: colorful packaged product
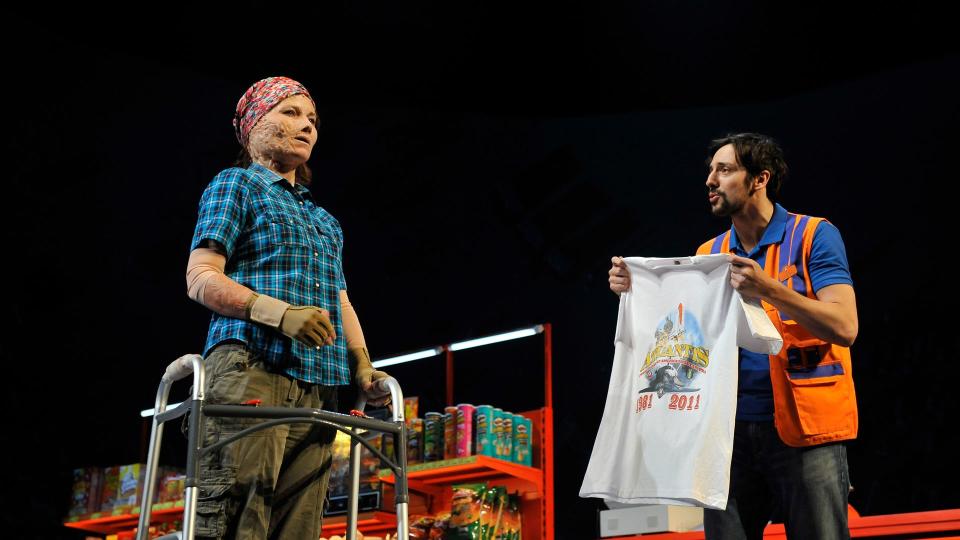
411	406
522	440
85	497
449	432
507	525
109	488
506	450
491	510
465	413
420	527
131	485
441	524
483	431
433	436
171	484
415	441
498	432
465	510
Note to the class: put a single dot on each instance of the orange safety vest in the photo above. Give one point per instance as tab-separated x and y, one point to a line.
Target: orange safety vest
813	396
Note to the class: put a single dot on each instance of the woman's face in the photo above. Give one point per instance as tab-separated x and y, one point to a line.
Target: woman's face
286	134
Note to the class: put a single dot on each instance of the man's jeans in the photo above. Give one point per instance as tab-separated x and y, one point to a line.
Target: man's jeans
806	488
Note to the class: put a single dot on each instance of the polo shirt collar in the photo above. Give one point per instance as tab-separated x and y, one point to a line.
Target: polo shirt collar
774	233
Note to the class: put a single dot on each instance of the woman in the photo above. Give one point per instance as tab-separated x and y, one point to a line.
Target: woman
267	261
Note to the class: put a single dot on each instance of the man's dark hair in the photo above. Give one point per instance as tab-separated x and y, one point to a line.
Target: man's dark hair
303	175
756	153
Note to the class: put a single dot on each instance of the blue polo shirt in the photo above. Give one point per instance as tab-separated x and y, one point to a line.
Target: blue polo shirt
827	265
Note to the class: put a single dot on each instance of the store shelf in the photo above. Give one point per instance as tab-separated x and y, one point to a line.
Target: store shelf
369	522
465	470
108	522
534	484
436	481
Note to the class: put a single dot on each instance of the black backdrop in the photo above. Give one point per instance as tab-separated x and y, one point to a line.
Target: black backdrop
485	163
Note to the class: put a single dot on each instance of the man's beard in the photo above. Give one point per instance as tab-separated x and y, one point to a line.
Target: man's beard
725	208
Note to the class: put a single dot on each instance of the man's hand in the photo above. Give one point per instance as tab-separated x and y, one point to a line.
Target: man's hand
748	278
366	377
309	325
619	275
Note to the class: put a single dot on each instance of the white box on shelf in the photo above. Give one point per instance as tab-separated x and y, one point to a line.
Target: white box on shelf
649	518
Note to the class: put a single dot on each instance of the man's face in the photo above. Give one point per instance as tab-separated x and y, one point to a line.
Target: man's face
286	134
727	182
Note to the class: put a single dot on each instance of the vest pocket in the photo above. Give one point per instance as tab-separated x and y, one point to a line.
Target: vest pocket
819	401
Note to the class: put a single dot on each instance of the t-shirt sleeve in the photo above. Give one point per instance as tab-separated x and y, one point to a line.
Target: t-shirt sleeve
828	258
222	211
625	310
755	332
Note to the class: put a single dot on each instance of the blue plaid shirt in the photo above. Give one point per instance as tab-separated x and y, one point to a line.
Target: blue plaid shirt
278	243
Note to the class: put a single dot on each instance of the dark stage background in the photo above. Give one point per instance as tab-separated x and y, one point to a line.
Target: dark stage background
485	163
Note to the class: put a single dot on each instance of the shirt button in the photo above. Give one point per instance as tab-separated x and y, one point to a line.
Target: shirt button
301	203
318	285
315	254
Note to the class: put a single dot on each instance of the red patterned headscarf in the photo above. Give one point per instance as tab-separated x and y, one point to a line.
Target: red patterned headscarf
257	101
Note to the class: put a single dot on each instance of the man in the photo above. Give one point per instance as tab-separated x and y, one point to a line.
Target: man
794	408
268	262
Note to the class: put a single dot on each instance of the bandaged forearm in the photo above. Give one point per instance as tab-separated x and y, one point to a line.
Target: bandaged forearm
351	323
210	286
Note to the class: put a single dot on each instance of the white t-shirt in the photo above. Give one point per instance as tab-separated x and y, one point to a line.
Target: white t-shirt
666	436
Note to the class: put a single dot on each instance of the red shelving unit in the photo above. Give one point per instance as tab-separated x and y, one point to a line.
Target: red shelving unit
110	523
371	523
434	480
